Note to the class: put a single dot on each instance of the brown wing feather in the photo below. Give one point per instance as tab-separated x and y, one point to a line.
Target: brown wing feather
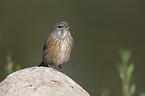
50	51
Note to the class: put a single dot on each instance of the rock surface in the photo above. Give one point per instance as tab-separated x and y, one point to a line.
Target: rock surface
40	81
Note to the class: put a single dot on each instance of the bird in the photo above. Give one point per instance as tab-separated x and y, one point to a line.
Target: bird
58	45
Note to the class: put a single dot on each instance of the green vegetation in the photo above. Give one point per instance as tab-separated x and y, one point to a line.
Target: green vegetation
126	70
11	67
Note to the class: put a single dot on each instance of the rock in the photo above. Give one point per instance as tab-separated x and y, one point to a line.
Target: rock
40	81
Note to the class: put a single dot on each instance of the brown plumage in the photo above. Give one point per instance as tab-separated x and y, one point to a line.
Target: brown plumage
58	45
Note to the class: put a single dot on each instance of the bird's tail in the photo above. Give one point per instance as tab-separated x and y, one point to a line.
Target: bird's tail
41	64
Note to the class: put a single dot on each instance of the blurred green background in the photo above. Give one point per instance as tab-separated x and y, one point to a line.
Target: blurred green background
99	28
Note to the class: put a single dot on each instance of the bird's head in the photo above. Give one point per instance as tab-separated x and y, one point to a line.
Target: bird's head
62	26
61	29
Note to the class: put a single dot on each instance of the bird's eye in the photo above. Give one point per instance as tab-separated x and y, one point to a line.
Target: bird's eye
60	26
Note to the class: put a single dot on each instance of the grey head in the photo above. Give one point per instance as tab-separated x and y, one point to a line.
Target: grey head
60	29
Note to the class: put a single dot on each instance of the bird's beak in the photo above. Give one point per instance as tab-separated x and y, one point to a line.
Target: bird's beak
67	26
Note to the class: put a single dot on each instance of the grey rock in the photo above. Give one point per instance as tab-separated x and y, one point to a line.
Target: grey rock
40	81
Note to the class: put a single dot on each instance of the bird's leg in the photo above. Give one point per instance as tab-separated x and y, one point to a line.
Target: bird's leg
60	66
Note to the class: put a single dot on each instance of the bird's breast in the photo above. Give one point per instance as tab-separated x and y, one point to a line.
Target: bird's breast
64	46
58	50
63	52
